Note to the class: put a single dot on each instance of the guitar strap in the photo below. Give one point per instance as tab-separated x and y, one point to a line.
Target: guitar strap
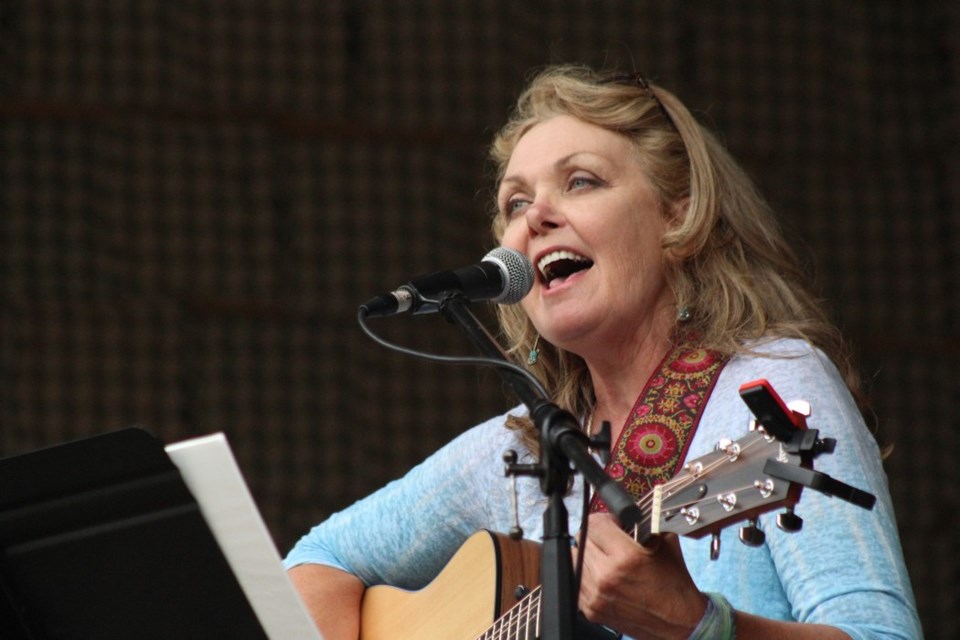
654	441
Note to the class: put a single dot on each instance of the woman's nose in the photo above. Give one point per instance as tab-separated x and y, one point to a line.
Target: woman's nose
542	216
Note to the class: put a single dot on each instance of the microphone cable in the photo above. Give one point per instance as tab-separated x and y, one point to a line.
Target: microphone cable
454	360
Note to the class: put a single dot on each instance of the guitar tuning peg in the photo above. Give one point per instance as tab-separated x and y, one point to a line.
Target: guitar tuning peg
789	521
715	546
751	535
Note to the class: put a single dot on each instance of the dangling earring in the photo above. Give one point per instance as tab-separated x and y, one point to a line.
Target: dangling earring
683	314
534	352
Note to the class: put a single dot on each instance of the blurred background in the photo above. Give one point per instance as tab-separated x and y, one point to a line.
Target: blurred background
195	196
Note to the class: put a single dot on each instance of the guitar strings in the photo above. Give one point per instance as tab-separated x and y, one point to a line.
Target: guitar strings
518	619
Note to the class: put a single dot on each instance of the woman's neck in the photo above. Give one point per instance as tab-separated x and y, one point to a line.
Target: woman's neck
620	378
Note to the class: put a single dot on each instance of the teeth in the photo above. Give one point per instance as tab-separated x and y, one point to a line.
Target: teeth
550	258
546	265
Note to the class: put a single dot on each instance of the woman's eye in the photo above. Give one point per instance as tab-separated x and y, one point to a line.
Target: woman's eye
581	182
514	206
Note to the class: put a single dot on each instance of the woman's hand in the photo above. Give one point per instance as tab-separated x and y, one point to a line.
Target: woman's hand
644	592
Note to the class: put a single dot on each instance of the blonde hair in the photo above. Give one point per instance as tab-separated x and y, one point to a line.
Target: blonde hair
732	267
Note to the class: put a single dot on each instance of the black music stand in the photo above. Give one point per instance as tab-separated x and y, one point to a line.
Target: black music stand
100	539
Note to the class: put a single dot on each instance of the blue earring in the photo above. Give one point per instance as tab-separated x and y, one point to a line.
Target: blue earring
534	353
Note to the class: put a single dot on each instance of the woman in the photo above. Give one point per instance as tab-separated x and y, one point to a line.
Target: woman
656	260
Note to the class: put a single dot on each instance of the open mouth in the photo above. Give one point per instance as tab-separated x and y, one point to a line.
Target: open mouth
557	266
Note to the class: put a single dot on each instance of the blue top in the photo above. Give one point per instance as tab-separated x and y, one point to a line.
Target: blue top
844	568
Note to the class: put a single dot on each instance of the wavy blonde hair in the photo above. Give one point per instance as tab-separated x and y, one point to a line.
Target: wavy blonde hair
732	267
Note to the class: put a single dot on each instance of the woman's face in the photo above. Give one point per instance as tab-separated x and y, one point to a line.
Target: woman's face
580	207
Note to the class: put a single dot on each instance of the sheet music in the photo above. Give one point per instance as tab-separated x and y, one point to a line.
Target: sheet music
212	475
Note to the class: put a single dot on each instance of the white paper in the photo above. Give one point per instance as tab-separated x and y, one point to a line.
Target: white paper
213	477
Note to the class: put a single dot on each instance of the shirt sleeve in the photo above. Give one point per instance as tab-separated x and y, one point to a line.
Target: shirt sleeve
845	567
404	533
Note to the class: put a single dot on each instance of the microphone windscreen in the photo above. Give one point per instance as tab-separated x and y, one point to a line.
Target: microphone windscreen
518	273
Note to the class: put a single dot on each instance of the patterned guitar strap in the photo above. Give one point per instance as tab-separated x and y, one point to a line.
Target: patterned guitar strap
654	441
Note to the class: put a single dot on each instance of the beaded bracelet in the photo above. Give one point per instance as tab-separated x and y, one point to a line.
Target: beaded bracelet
718	622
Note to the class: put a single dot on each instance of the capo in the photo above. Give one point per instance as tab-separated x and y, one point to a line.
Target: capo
789	428
821	482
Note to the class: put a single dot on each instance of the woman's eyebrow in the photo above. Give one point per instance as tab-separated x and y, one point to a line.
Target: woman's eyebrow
559	163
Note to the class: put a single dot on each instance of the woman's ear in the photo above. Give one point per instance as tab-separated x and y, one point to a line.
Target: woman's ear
676	217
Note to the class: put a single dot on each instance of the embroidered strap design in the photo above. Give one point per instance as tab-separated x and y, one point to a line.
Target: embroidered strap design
656	436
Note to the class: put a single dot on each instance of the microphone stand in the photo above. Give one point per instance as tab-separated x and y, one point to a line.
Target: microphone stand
562	442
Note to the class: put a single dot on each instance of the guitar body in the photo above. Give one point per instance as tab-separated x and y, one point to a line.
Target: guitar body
463	601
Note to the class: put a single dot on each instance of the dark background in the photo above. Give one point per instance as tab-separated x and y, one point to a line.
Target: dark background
195	197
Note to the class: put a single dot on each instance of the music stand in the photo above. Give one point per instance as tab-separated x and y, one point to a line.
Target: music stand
100	539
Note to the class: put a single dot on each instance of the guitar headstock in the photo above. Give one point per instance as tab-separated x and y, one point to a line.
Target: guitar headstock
733	484
740	480
727	486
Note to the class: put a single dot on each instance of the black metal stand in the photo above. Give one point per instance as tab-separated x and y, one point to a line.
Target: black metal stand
562	443
100	538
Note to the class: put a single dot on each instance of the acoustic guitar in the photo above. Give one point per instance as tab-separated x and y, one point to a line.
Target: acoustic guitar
489	589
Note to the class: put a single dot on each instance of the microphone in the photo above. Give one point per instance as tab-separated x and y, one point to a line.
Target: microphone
504	276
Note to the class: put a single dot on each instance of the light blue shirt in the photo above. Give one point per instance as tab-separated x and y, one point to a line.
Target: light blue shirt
844	568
